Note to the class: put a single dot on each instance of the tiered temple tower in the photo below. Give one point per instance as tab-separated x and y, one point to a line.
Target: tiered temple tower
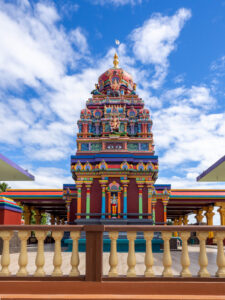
115	167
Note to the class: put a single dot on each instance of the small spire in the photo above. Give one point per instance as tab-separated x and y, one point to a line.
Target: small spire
116	61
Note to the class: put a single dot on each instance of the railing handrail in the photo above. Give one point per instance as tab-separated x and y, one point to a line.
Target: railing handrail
137	228
43	227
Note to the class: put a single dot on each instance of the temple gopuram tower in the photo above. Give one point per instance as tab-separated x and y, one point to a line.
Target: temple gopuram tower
115	167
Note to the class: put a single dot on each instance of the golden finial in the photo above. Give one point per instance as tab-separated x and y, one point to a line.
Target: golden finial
116	61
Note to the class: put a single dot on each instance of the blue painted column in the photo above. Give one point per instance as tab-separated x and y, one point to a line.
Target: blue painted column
125	201
103	183
103	202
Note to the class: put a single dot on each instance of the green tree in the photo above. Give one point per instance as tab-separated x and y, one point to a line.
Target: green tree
4	186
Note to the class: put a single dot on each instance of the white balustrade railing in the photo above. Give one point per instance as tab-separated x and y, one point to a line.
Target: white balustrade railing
6	233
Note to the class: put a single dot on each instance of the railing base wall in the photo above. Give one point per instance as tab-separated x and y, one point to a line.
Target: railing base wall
156	289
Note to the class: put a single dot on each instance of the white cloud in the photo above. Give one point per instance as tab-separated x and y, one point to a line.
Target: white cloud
78	38
179	78
45	178
155	40
218	65
35	51
118	2
188	138
197	95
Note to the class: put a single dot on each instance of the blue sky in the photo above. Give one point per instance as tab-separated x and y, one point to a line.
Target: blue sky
52	52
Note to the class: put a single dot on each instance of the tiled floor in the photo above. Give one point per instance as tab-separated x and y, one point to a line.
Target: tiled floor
122	261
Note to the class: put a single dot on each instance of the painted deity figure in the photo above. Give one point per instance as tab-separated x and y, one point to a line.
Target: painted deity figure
115	123
114	206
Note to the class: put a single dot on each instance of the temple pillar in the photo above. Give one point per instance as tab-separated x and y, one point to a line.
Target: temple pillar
78	185
180	221
37	216
52	219
103	185
67	198
150	190
209	217
125	185
165	202
58	220
27	214
119	204
175	223
88	200
221	211
154	201
140	200
185	220
109	204
68	202
199	217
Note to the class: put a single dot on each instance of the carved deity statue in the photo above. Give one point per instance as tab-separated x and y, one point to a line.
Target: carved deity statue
115	123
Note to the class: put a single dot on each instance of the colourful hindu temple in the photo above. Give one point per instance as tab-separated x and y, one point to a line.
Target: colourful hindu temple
115	168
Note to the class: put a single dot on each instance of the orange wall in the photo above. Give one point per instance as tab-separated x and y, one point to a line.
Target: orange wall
8	217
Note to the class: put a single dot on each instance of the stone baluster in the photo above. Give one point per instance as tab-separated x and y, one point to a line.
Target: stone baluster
203	260
5	260
57	260
113	259
40	258
23	258
75	235
167	260
220	260
185	260
131	259
149	260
